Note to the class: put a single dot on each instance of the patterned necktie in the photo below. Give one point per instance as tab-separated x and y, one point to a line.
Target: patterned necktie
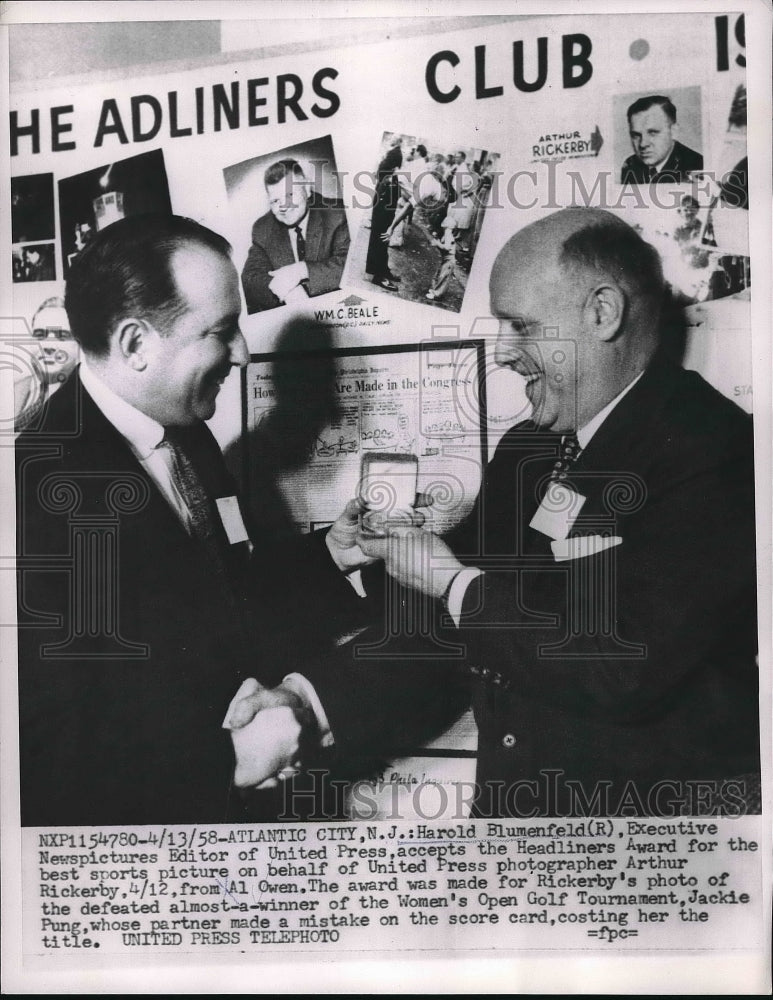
300	243
229	562
570	450
189	486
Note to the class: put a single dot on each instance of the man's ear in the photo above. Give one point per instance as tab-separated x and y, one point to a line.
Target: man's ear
132	342
604	311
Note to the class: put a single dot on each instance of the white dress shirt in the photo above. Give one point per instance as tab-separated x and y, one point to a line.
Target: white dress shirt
143	435
464	578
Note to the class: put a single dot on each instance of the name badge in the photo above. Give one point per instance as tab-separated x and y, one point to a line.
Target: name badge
558	511
231	516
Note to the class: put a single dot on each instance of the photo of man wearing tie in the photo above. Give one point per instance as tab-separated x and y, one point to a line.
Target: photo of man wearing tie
299	246
658	156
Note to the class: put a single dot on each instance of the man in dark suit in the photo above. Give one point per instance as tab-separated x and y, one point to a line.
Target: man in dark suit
658	157
144	599
299	246
604	585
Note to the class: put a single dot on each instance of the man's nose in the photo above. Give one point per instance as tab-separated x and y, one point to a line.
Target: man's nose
239	353
506	349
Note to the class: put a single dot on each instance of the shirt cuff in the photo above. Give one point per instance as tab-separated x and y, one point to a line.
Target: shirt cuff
455	599
303	687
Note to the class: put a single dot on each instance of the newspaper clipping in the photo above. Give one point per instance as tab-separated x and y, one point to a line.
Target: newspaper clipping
390	412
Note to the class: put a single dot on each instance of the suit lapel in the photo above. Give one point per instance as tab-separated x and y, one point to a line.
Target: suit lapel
315	230
105	450
283	249
618	457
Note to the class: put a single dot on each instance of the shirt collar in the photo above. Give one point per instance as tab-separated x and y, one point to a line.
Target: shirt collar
584	434
142	432
659	166
303	224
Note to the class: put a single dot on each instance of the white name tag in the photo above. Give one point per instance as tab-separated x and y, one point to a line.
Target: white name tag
231	516
558	511
581	546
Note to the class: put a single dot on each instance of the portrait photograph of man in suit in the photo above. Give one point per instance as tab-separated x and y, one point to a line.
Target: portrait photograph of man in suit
658	155
298	246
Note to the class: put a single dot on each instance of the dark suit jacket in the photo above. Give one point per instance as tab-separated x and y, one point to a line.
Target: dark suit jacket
636	664
327	244
675	170
130	644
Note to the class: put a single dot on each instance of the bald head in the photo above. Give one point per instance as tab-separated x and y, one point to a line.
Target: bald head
589	245
584	277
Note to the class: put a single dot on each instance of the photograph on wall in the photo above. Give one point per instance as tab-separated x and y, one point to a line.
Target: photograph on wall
429	200
91	201
288	205
32	208
34	262
682	225
659	137
42	362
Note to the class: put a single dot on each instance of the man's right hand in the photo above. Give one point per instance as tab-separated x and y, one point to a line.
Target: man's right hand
267	727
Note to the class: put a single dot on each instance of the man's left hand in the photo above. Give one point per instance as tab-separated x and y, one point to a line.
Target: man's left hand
342	538
414	557
285	279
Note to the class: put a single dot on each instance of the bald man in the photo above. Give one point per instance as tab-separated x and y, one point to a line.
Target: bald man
604	585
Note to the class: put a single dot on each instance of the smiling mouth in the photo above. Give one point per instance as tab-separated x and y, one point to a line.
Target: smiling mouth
524	367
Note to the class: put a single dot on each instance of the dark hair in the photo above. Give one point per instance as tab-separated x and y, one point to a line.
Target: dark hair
421	149
614	249
645	103
737	116
688	199
279	170
126	271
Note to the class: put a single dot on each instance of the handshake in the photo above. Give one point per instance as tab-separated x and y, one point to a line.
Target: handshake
273	729
270	730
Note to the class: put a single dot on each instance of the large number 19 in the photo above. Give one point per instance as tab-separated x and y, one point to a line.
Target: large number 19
721	25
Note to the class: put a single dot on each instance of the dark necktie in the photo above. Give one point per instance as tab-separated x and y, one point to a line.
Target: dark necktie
300	243
570	449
